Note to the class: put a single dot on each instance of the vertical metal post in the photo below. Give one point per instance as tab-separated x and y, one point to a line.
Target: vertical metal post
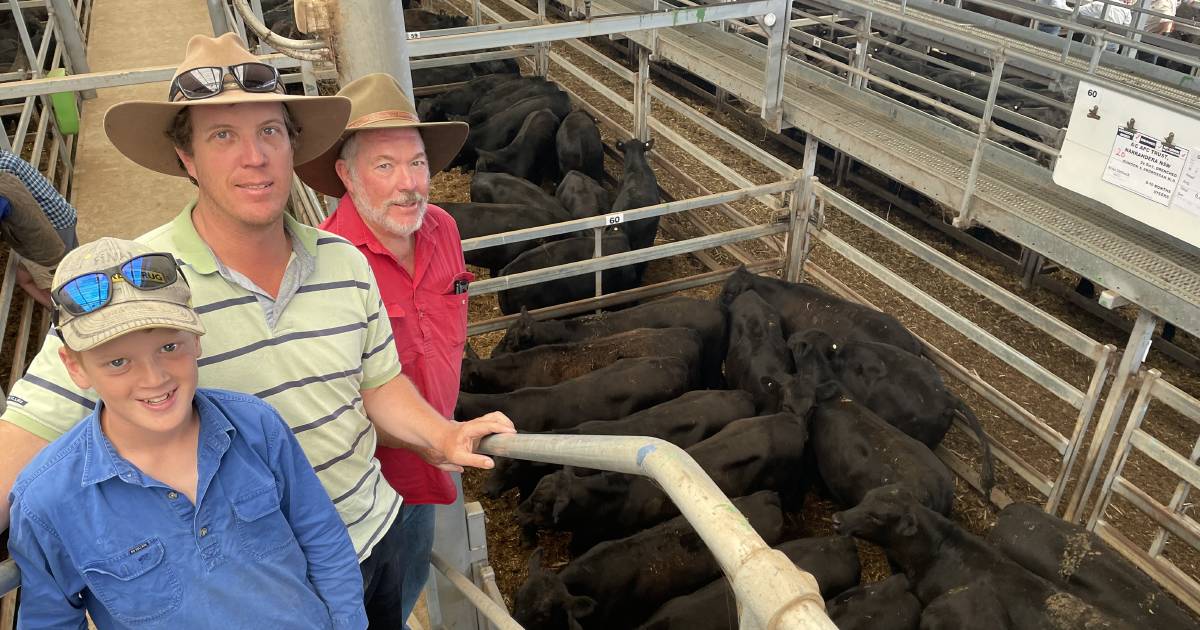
963	220
597	252
451	541
368	36
861	50
1066	50
1136	415
776	22
72	39
641	96
1139	25
1135	353
476	14
216	15
308	78
800	212
543	48
256	9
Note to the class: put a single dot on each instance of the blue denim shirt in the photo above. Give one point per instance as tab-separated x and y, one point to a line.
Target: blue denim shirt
262	548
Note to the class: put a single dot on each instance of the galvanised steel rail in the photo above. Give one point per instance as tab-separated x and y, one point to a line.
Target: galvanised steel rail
774	593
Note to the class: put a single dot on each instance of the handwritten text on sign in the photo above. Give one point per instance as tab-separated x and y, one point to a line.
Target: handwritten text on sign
1145	166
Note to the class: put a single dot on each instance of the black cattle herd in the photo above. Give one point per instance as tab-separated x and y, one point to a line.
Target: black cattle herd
776	389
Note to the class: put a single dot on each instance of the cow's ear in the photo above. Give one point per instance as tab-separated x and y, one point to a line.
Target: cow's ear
581	606
873	370
907	526
561	502
828	390
535	561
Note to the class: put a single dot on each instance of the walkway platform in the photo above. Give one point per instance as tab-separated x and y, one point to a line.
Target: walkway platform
116	197
1014	196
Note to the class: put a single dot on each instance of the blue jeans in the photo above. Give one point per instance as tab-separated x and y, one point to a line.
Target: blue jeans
414	553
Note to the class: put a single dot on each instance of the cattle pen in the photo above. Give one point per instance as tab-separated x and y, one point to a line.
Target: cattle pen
1057	400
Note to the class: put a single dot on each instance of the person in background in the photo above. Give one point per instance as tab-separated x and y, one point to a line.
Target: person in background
381	171
25	194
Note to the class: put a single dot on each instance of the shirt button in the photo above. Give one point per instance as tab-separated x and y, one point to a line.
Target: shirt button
203	532
172	495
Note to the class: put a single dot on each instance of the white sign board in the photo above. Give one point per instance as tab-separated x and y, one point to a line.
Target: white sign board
1139	159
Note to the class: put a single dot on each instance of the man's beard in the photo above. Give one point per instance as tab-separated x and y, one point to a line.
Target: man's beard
378	215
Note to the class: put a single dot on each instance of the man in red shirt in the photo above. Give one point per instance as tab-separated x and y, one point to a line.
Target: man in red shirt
381	170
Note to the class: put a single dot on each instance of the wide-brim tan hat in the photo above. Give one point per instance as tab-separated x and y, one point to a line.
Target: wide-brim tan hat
378	102
139	128
128	308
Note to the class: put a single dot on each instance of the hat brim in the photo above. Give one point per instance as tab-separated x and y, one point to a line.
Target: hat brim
139	128
85	332
443	140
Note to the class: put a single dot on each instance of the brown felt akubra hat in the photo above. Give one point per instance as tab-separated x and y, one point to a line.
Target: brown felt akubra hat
139	128
378	102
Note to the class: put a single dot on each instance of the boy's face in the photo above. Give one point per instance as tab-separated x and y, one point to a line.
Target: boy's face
146	378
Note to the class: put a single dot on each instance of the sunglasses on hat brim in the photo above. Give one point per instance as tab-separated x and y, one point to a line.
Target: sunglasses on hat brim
92	291
208	81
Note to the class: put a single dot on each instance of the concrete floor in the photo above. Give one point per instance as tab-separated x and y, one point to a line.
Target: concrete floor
114	196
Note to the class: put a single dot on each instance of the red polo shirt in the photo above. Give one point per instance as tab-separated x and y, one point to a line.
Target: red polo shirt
429	322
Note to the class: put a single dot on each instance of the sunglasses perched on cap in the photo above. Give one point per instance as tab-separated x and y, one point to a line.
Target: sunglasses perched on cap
90	292
208	81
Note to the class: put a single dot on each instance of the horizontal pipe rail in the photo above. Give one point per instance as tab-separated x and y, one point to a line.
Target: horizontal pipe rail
594	27
1052	326
575	225
536	276
774	592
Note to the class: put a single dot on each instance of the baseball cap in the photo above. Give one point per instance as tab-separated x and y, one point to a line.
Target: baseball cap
129	308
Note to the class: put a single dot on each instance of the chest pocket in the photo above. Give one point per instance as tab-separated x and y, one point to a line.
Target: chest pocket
262	529
406	331
138	585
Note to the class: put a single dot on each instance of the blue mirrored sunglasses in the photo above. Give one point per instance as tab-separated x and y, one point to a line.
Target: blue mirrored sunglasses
92	291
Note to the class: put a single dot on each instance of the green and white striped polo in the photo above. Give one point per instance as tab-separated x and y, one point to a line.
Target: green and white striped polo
331	341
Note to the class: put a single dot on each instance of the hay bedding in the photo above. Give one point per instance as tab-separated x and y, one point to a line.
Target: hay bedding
508	556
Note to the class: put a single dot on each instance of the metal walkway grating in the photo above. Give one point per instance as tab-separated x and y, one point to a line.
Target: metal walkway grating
1088	237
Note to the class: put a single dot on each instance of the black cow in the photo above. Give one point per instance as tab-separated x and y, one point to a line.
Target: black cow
609	393
457	102
421	20
499	130
701	315
497	66
528	156
764	452
543	366
962	581
638	188
857	452
582	196
1078	562
498	100
832	560
483	219
617	584
803	307
886	605
694	416
757	351
905	390
505	188
569	289
424	77
579	146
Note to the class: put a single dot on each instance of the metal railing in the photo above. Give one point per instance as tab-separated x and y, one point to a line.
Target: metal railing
1171	519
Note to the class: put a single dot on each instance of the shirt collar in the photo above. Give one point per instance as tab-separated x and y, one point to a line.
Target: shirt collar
194	251
348	223
102	462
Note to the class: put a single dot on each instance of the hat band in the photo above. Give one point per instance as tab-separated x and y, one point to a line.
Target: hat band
387	114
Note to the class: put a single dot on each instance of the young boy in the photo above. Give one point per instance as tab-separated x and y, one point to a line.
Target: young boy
170	506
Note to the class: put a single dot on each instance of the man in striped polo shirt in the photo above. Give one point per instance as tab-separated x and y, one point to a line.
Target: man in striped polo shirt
293	314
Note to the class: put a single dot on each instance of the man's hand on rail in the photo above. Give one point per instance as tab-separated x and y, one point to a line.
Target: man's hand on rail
458	447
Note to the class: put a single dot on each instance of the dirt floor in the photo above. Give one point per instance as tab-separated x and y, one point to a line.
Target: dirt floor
508	556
